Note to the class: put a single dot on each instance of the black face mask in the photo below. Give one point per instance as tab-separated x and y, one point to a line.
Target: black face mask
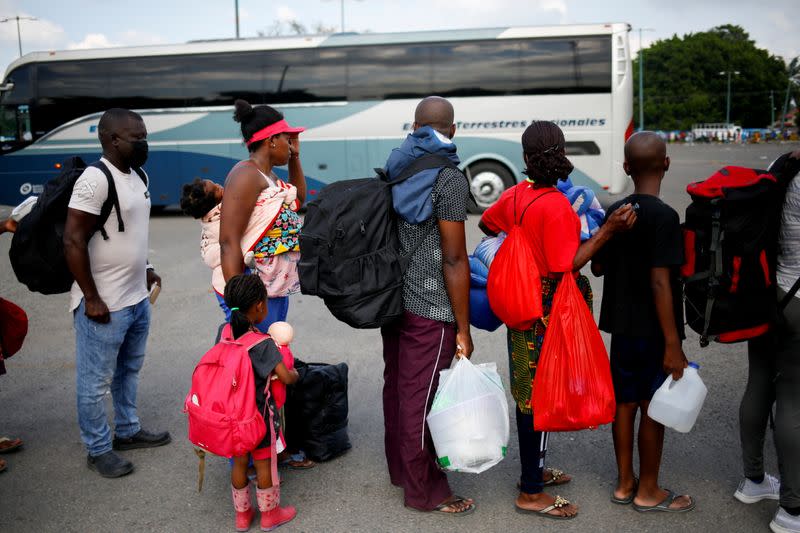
139	153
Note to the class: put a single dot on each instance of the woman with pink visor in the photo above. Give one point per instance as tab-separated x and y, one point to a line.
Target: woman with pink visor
252	190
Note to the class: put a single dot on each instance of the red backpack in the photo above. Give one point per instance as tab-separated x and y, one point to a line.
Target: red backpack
730	241
221	405
513	286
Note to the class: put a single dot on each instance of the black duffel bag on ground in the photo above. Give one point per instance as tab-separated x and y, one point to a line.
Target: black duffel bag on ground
316	411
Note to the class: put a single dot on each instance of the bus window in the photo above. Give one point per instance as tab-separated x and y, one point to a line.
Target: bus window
15	120
594	55
476	68
566	65
315	75
21	92
69	89
147	82
219	79
387	72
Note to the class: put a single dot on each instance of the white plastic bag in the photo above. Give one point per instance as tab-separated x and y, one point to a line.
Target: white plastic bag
468	420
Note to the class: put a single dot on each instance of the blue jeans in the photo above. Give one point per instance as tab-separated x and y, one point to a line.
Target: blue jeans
109	357
277	309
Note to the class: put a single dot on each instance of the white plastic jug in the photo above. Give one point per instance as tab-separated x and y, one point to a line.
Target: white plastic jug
676	404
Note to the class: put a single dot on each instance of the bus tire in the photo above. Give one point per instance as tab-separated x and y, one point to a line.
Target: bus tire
488	180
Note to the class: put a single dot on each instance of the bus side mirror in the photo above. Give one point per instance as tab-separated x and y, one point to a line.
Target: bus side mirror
6	86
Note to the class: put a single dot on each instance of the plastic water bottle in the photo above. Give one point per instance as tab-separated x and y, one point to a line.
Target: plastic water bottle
676	404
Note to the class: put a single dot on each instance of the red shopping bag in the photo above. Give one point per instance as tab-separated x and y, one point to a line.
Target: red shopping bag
572	389
513	286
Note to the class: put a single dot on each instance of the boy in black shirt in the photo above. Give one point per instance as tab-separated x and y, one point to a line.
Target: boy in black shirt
642	309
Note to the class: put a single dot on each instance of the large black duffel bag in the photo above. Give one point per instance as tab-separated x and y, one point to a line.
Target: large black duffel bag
316	411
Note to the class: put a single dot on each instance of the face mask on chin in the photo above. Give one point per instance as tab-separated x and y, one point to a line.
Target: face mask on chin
139	152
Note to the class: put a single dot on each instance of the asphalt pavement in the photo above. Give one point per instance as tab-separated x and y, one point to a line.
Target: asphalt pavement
48	487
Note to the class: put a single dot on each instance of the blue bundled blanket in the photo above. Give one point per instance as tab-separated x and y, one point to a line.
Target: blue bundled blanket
586	206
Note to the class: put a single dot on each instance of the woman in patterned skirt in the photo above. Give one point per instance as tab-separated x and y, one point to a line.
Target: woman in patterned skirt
553	230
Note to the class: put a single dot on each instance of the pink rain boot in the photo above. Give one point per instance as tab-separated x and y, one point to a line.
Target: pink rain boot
272	515
244	510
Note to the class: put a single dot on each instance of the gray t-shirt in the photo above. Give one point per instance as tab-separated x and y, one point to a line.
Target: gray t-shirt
424	291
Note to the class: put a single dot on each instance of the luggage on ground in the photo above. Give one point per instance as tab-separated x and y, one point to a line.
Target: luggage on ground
37	249
221	405
316	411
572	389
350	250
468	420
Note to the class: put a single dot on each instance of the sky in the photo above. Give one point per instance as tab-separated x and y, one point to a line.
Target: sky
65	24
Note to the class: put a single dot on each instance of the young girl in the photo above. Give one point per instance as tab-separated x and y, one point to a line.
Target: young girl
246	297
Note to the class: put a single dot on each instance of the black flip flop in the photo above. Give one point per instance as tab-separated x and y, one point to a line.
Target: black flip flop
664	505
629	499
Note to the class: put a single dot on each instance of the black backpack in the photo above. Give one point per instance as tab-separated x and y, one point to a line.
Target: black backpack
730	241
37	249
350	249
316	410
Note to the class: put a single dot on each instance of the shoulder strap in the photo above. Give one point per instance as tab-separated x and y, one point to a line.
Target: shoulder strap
789	295
142	175
526	207
111	201
418	165
252	339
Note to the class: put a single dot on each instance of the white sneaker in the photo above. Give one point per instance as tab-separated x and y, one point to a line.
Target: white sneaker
750	492
783	522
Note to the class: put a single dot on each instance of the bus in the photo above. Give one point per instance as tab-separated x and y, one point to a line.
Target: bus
354	93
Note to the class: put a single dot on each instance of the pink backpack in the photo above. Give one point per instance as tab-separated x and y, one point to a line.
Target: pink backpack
221	405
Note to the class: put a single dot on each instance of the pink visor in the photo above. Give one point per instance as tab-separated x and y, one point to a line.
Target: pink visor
273	129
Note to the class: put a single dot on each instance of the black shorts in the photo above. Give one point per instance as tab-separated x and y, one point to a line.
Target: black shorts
636	367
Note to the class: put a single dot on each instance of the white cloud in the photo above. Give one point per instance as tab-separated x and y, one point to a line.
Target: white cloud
559	6
126	38
93	40
39	34
285	13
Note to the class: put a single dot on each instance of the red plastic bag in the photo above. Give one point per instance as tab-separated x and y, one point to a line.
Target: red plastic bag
513	286
572	389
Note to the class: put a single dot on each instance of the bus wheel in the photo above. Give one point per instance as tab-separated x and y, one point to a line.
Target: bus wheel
488	180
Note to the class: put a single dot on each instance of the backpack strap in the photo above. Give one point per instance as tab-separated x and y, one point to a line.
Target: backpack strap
113	198
142	175
111	202
526	207
715	269
425	162
789	295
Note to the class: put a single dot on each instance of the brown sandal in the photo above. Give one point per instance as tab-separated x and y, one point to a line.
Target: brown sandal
455	501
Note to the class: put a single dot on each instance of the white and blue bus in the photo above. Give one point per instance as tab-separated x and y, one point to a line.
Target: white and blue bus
355	94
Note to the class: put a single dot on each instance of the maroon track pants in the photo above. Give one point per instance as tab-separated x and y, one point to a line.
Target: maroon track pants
415	349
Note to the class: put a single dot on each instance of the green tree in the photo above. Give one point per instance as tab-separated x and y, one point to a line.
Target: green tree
683	85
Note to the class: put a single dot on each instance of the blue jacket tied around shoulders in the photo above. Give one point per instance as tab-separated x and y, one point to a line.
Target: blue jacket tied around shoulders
412	198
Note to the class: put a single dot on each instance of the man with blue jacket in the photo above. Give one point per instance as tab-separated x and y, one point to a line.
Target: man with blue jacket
432	208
